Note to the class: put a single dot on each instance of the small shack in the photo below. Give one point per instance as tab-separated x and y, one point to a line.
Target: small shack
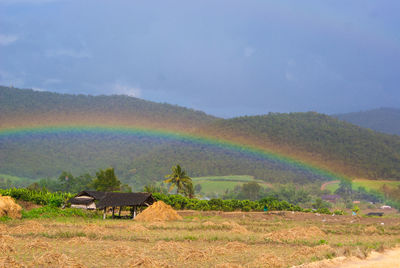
132	200
86	199
104	200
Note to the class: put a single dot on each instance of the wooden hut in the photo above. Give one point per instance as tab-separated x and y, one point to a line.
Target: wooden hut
132	200
104	200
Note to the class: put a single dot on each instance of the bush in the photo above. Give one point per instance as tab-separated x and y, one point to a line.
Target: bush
52	212
338	212
323	211
181	202
40	197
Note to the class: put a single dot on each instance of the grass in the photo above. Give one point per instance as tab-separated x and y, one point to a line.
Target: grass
217	185
203	240
54	212
14	180
368	184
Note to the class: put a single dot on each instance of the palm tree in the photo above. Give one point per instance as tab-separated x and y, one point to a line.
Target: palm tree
179	179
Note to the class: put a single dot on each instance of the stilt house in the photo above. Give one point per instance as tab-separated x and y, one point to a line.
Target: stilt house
104	200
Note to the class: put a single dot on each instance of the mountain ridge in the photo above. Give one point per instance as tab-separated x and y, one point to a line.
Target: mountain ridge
384	119
316	139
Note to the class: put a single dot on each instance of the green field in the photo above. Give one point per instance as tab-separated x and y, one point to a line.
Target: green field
7	181
217	185
368	184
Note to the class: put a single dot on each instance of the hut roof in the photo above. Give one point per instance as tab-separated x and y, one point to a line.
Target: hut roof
80	201
95	194
125	199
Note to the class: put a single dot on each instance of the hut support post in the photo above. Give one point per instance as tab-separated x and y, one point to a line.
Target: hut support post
134	212
119	212
104	214
113	210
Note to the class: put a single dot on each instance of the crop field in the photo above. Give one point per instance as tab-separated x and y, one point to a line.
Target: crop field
13	180
201	239
368	184
219	184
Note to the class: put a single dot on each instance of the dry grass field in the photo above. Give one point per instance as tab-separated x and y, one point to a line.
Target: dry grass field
201	239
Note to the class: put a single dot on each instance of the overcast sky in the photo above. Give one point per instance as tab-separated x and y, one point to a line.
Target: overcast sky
224	57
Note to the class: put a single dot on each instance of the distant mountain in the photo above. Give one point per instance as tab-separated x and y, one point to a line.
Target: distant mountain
319	139
386	120
25	107
313	138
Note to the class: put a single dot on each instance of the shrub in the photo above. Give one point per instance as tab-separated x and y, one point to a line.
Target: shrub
323	211
338	212
52	212
40	197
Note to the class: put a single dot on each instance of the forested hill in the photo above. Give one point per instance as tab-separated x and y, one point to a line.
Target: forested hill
28	107
320	139
386	120
309	137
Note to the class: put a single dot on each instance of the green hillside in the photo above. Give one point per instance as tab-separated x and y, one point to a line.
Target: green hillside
32	107
367	184
217	185
325	140
313	138
386	120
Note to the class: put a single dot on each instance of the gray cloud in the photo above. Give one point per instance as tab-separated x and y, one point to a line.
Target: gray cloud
63	52
10	2
120	88
7	39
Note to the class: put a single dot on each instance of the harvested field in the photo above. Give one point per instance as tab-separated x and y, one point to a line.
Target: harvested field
199	239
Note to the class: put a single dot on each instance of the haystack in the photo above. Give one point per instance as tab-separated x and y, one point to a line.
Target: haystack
159	211
9	208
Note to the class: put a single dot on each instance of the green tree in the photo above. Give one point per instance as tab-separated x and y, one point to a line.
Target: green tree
189	190
106	181
66	180
345	189
152	188
179	179
250	190
197	188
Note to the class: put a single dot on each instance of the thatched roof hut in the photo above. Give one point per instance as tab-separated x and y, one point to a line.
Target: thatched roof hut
104	200
125	200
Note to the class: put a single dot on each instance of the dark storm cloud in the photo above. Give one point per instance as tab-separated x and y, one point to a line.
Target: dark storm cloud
224	57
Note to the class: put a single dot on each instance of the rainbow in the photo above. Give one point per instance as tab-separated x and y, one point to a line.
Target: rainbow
138	131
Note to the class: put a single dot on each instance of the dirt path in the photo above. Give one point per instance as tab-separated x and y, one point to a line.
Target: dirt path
323	186
387	259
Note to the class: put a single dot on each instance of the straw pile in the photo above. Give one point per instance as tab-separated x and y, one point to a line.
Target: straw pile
235	227
267	260
228	265
56	260
371	230
9	208
159	211
296	233
8	261
146	262
311	251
